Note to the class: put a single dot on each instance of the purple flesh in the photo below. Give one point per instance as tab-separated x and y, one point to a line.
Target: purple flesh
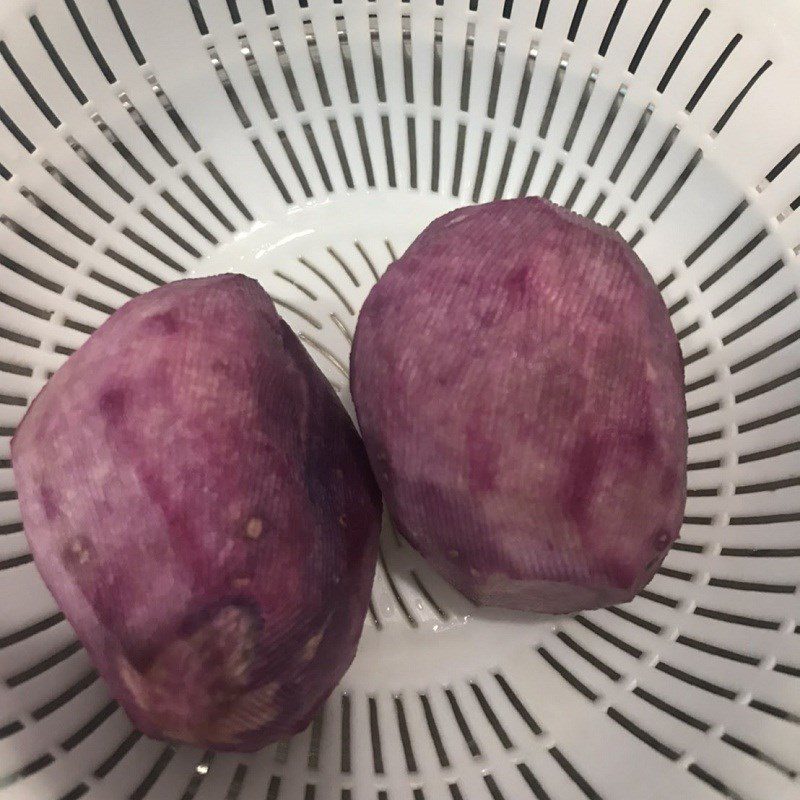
202	508
519	388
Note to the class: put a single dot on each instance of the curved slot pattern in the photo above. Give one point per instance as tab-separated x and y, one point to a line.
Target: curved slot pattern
116	180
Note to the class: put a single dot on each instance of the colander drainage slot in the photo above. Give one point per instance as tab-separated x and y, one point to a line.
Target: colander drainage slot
433	729
89	41
737	101
29	88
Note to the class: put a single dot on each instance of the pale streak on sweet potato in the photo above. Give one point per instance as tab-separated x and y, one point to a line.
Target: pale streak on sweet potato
519	388
199	503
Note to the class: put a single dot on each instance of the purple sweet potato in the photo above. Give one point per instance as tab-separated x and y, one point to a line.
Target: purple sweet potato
519	388
201	507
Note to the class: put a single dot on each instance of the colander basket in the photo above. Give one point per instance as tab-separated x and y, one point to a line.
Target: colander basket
306	143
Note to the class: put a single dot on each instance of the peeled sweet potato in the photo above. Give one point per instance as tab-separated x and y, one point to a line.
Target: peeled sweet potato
519	388
201	507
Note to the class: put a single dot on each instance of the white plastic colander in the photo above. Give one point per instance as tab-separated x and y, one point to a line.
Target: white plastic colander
306	143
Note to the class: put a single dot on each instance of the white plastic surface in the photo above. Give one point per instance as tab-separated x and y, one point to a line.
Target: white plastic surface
306	143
